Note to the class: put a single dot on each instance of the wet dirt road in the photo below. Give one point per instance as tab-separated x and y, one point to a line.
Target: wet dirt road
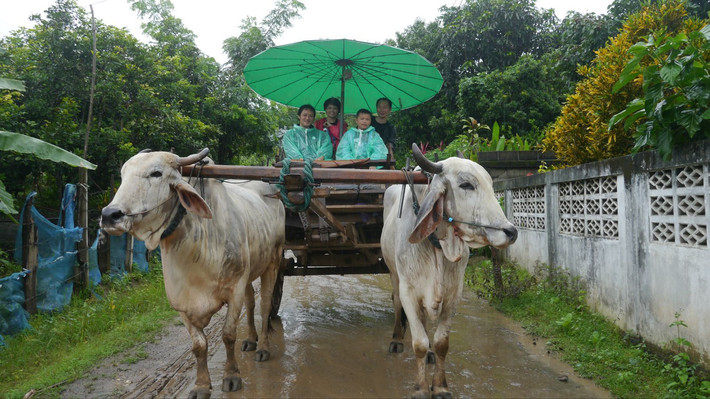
332	342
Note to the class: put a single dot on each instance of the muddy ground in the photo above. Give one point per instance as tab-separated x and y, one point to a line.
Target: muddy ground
332	342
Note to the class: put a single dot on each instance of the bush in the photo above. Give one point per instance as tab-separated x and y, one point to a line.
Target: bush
675	105
581	132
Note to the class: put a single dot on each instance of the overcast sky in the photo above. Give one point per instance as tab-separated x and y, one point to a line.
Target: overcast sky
215	20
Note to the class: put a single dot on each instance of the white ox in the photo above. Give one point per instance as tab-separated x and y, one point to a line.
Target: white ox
224	242
427	281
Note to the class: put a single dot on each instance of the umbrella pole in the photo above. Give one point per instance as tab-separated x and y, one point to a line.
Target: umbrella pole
342	101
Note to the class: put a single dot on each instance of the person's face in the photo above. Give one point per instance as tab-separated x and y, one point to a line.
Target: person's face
331	111
363	121
306	118
383	109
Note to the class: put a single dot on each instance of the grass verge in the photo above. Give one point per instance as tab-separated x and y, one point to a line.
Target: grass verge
61	347
551	306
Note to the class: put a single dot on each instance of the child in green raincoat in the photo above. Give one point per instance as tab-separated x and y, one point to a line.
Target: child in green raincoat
362	141
306	142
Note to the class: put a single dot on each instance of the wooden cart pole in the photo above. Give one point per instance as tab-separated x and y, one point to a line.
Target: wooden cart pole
30	257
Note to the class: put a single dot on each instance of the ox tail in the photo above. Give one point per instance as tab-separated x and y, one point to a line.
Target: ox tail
403	322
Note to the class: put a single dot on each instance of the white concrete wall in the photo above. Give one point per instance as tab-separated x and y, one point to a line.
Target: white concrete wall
635	229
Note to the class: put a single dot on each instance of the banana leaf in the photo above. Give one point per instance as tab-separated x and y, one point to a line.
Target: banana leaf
11	84
29	145
7	205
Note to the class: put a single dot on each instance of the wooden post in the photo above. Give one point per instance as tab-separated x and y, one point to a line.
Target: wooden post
103	252
30	257
82	269
129	253
496	259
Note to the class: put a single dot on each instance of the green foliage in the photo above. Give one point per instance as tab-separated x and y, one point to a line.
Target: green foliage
580	134
683	372
579	36
29	145
475	140
675	106
525	96
7	266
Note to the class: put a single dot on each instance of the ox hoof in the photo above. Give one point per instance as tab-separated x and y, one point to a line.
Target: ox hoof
199	393
421	394
442	395
430	358
248	346
262	355
396	347
231	384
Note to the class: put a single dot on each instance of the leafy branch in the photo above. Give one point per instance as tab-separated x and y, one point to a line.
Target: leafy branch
675	108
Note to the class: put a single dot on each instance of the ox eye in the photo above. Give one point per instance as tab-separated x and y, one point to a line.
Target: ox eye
467	186
157	173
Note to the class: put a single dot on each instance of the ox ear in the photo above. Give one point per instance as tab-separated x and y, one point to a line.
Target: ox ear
430	213
191	200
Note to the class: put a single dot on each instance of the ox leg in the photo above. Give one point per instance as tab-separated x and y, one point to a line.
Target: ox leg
420	341
232	380
400	318
199	350
268	281
249	344
441	348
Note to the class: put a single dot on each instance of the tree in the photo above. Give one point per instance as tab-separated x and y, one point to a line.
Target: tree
488	35
578	37
525	96
20	143
581	133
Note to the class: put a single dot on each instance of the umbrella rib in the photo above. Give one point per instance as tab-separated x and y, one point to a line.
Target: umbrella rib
368	72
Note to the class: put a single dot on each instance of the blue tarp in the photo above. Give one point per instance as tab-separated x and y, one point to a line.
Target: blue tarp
94	272
118	256
56	245
13	316
57	253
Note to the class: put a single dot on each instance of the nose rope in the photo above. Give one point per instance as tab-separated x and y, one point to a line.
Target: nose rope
148	210
452	220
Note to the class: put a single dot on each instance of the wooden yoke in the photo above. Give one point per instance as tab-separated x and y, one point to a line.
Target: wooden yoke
322	175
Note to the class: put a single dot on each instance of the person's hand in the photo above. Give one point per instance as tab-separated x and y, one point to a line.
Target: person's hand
319	158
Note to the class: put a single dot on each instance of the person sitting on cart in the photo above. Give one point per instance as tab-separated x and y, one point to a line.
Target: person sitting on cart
381	122
362	141
331	123
305	141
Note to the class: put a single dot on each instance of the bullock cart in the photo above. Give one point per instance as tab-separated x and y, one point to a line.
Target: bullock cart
334	212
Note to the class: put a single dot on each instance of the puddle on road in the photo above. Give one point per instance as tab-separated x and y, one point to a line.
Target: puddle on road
333	337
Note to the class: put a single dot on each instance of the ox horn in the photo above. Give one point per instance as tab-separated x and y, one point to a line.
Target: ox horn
460	154
143	151
191	159
425	164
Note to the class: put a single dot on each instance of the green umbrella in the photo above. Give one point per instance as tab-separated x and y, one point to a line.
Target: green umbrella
312	71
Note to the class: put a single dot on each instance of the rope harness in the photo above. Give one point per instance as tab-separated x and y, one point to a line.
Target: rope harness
415	205
181	211
307	189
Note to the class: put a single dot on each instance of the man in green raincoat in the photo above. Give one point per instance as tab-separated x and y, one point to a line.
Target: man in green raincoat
305	141
362	141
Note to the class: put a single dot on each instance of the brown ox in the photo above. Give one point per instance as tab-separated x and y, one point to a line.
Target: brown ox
427	274
210	255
